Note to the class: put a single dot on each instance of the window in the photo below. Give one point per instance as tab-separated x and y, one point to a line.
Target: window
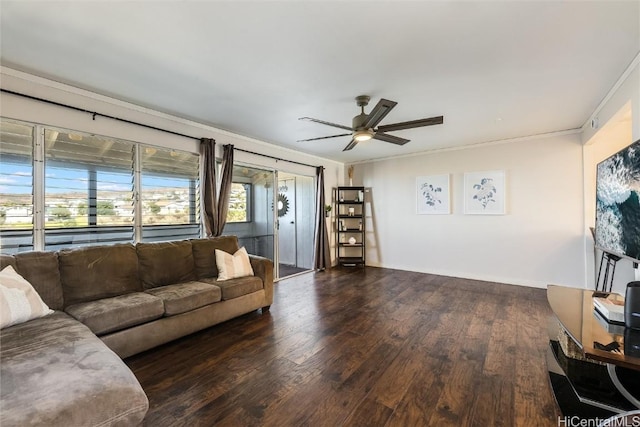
239	203
169	194
16	187
88	190
61	188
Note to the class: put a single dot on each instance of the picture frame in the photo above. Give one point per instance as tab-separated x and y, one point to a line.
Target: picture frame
484	193
433	195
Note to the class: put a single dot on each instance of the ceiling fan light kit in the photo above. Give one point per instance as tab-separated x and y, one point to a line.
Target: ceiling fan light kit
363	126
363	135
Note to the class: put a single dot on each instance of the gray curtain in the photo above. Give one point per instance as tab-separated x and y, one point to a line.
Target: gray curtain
225	189
208	199
322	253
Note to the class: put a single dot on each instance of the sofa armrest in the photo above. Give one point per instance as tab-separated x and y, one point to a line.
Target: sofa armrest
263	268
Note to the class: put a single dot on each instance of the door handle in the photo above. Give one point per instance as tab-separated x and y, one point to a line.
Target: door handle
292	222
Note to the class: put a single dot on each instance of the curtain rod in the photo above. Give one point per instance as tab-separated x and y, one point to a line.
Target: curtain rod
94	114
275	158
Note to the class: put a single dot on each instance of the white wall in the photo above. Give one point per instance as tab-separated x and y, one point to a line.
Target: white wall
19	108
539	241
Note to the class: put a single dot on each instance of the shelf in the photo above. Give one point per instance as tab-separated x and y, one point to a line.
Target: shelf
590	383
593	382
586	329
568	401
349	221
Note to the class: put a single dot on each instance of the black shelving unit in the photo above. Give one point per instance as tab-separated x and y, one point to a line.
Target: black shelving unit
350	225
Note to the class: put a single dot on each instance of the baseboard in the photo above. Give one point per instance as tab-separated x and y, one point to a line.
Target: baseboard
463	275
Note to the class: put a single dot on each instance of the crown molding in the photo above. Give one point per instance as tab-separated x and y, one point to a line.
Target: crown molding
476	145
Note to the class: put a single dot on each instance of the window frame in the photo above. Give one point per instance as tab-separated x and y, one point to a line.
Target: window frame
192	229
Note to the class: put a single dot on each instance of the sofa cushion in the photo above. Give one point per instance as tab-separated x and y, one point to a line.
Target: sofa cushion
6	260
204	255
183	297
19	302
41	270
233	266
113	314
165	263
55	371
235	288
97	272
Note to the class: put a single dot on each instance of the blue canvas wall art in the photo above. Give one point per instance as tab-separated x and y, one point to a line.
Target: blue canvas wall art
618	203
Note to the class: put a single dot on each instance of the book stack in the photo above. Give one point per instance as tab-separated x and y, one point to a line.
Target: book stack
610	327
610	307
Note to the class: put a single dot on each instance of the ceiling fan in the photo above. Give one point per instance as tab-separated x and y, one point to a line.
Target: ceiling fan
364	125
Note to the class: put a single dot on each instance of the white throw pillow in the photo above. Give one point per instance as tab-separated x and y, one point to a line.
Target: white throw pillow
19	302
232	266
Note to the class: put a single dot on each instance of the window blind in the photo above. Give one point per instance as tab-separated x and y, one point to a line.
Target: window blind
169	194
88	189
16	186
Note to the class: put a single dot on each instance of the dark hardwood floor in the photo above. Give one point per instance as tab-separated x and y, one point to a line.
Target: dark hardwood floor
362	347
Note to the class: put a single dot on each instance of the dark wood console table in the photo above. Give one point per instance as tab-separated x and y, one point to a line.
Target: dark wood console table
601	375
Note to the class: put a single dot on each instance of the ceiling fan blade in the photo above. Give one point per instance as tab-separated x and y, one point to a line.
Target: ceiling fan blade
390	138
351	145
412	124
322	122
378	113
324	137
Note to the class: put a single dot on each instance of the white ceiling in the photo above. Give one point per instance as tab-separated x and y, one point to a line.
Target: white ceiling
495	70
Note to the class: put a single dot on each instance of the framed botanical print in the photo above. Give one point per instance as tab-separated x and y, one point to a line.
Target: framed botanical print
433	195
484	193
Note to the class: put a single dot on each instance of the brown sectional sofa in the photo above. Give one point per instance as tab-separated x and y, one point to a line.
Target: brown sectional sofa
110	301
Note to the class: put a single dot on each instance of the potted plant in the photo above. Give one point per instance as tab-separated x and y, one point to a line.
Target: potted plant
327	210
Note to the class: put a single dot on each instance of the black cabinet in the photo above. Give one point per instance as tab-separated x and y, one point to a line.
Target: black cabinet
592	370
350	225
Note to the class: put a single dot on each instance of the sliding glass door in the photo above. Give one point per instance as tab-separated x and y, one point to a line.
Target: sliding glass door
251	213
272	213
296	208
